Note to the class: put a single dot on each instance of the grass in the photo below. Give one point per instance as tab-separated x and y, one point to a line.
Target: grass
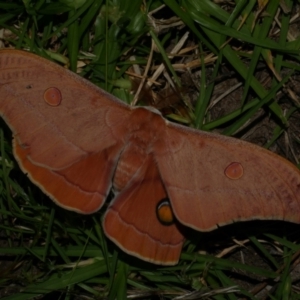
184	51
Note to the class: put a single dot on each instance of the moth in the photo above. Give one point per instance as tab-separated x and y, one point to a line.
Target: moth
77	143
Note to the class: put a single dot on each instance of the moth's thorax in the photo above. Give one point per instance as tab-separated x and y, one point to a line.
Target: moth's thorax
145	128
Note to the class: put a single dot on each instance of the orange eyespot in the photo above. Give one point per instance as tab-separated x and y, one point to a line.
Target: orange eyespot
52	96
234	170
164	212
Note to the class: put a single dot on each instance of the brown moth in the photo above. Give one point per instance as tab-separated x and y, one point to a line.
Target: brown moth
77	142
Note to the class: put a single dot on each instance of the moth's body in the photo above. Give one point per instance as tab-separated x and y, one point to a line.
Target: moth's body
77	142
143	131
